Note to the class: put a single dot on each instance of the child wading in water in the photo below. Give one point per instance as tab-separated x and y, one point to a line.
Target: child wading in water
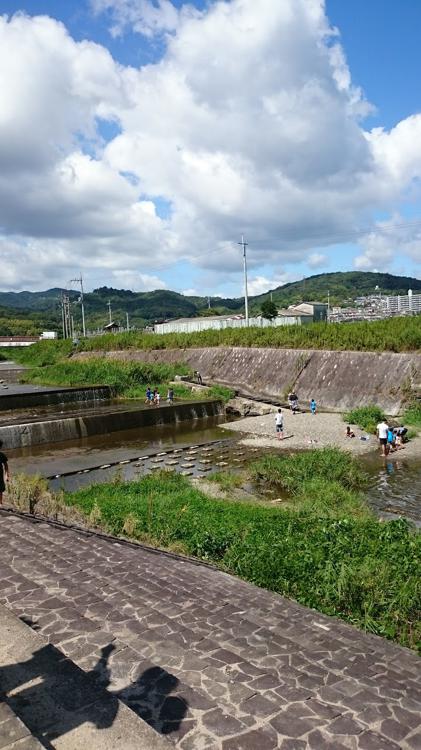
279	422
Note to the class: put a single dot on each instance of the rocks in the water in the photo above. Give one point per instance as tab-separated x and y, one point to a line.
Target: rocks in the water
243	407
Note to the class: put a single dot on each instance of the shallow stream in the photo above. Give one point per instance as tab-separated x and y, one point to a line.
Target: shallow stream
196	448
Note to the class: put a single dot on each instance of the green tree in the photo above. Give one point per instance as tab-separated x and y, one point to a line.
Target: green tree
269	309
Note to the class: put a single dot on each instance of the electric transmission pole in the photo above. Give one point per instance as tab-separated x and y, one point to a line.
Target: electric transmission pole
79	281
244	244
109	310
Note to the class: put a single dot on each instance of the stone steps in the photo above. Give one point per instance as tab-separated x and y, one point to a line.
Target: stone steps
203	657
60	705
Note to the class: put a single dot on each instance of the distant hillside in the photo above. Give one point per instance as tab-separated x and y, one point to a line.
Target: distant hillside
343	288
32	312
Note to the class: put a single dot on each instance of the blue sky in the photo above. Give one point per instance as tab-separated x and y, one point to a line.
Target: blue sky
380	40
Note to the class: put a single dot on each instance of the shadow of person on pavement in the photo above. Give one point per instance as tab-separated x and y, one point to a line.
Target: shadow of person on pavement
53	696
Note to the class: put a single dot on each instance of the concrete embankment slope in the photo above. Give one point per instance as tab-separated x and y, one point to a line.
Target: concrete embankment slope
207	660
337	380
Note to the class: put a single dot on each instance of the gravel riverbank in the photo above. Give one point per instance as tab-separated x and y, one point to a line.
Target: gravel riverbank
303	430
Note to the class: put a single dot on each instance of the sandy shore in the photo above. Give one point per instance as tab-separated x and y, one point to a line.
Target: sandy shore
304	430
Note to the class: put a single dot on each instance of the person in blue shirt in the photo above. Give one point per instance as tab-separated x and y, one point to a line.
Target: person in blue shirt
391	439
148	398
313	406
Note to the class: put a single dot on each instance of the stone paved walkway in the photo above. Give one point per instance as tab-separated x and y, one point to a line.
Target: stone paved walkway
204	658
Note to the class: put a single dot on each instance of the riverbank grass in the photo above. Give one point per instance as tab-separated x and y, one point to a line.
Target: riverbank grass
365	417
352	566
127	379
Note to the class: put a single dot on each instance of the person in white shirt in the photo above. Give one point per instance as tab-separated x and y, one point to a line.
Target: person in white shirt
279	422
382	429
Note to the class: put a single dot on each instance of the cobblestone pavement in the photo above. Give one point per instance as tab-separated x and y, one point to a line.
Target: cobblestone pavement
206	659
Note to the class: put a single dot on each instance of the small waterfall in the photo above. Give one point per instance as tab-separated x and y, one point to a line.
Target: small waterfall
65	428
55	397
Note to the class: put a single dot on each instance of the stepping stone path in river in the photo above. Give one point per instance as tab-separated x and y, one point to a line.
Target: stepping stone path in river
187	466
172	463
186	473
157	460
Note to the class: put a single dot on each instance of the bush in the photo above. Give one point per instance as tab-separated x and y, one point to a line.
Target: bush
366	417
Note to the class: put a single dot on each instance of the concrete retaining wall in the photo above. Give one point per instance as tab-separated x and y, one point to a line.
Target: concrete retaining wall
74	428
337	380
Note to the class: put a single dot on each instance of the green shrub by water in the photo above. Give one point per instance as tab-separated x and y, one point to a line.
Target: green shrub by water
412	415
364	571
366	417
291	472
42	353
119	375
393	335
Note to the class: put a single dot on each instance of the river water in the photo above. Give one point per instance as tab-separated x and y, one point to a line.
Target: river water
394	488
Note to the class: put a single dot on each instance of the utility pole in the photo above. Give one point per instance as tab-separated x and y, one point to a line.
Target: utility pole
244	244
209	303
62	314
79	281
127	322
328	305
109	310
65	316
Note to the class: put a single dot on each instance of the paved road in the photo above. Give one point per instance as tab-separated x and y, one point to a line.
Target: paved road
206	659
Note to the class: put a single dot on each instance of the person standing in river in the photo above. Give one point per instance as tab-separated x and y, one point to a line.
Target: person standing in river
382	430
4	472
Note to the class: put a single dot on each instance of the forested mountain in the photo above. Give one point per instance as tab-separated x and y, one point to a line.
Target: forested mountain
343	288
32	312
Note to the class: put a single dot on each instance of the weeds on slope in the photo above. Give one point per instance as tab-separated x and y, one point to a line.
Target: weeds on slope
393	335
357	568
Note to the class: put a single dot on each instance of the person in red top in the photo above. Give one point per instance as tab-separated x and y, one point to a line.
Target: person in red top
4	472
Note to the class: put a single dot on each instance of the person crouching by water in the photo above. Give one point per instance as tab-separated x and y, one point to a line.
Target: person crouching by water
4	472
382	430
279	423
349	432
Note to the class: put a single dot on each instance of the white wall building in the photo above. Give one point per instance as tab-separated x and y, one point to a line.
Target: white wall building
220	322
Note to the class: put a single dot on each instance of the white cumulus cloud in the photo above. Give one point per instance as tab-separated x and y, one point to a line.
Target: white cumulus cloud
249	123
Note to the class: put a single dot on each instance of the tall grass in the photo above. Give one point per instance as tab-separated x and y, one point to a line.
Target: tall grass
42	353
412	415
291	472
366	417
359	569
120	376
393	335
